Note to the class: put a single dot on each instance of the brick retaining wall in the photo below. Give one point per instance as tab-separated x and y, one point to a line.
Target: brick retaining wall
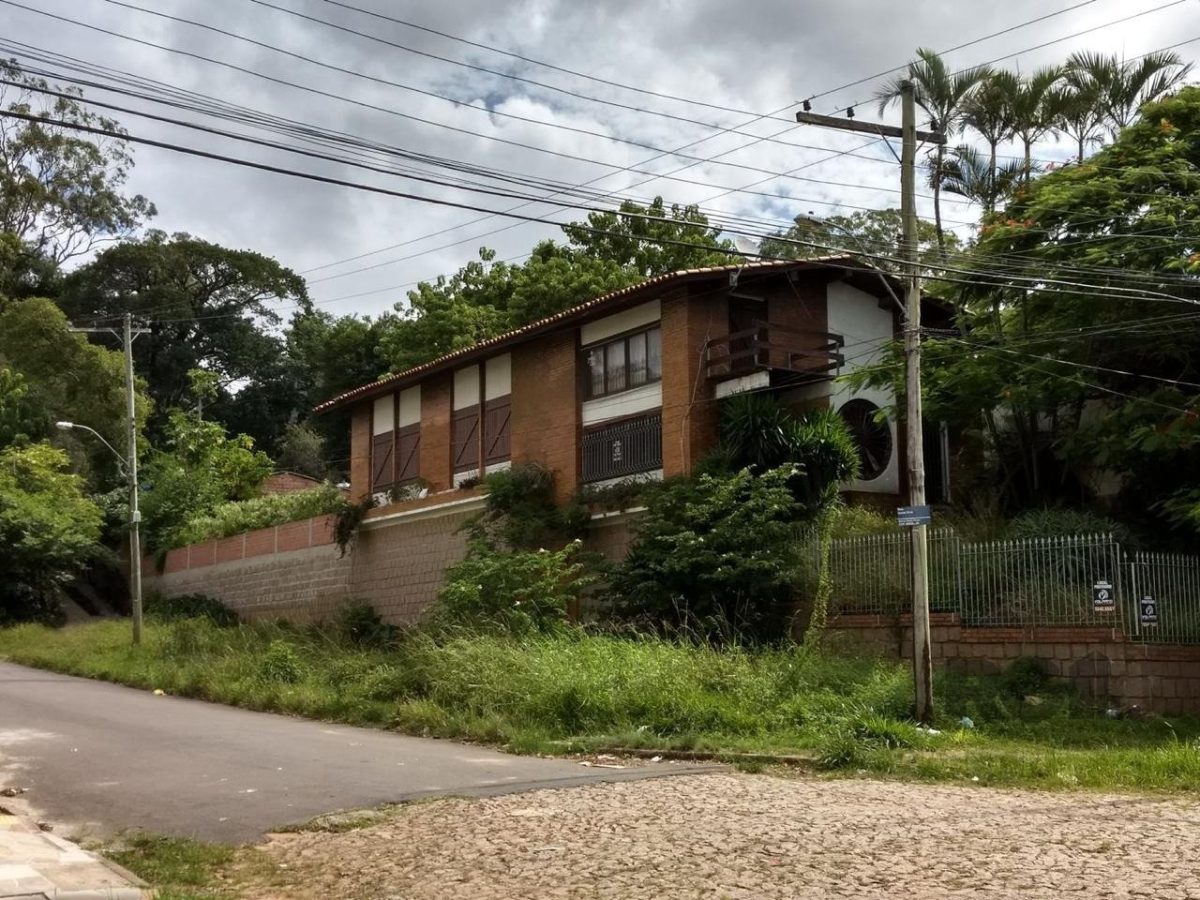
1100	662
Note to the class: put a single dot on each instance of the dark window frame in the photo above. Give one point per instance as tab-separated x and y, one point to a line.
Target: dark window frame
642	452
601	347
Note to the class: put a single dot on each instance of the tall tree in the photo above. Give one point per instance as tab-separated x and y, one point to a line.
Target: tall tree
208	307
61	193
874	234
989	111
1034	111
966	173
1120	87
942	94
1069	387
1079	115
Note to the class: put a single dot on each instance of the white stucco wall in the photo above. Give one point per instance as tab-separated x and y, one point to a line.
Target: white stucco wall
626	403
410	406
497	377
466	387
383	417
866	327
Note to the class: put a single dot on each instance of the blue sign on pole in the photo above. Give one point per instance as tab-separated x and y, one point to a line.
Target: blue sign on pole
908	516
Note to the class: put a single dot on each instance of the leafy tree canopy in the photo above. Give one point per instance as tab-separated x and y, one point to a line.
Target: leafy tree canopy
208	307
197	468
62	377
48	528
1075	381
607	252
60	192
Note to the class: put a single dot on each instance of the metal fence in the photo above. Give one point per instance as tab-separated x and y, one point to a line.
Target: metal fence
1071	580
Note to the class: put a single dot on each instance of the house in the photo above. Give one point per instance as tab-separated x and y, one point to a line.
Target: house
628	385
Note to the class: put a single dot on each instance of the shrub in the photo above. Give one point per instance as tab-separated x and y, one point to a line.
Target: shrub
520	591
358	625
714	553
261	512
281	663
1054	522
521	512
189	606
1025	676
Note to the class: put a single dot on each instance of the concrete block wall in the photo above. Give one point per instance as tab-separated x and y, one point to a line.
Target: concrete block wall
1099	662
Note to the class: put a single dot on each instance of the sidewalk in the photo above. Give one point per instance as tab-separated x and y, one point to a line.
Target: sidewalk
35	865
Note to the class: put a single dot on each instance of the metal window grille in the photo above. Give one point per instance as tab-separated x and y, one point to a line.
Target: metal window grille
626	448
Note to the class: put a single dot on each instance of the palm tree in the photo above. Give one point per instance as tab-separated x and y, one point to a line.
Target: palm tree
1079	114
966	173
1122	88
1034	111
989	111
941	94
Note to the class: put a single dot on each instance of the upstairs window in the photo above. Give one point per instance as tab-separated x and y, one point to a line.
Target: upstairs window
624	363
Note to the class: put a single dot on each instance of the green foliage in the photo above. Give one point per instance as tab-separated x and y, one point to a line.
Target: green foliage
870	234
189	606
1025	676
515	592
210	305
237	516
281	663
347	520
1045	523
568	691
57	375
717	555
199	469
49	530
759	433
178	868
521	512
61	192
357	624
302	450
487	297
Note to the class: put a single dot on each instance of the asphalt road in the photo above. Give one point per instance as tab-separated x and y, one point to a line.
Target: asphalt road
98	758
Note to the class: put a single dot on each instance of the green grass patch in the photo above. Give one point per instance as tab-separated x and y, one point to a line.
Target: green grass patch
573	692
178	868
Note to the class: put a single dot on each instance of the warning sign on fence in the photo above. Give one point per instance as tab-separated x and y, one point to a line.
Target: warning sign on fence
1149	608
1103	597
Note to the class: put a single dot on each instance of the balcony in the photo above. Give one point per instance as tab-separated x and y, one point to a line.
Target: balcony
787	355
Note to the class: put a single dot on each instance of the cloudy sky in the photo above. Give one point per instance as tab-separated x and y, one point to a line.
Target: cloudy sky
694	76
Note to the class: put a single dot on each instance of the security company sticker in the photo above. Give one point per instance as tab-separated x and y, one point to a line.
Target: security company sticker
1102	597
1149	610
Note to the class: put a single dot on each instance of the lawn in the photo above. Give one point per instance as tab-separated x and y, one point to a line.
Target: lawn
573	691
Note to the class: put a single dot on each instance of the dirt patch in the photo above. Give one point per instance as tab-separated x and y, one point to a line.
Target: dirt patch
741	836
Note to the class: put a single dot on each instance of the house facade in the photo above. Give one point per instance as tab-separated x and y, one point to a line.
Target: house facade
628	385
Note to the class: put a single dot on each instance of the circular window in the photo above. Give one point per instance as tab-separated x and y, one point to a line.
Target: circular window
872	434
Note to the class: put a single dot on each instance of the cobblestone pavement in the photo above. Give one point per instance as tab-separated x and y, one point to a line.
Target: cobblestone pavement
743	836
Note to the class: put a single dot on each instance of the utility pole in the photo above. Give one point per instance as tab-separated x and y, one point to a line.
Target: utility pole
914	441
127	335
135	514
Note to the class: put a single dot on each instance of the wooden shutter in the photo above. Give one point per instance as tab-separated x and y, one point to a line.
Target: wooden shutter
408	452
383	473
465	442
497	418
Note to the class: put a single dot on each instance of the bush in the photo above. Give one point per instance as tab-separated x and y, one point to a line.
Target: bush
281	663
521	591
1025	676
521	512
261	512
358	625
713	554
189	606
1044	523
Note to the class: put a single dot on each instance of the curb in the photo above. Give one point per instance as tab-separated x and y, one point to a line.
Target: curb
711	756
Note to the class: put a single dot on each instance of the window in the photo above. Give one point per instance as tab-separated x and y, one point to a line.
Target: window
625	363
872	434
623	448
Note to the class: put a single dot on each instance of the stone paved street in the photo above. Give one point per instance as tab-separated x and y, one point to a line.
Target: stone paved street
742	836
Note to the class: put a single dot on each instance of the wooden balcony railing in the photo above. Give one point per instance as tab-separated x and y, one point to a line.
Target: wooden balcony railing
775	348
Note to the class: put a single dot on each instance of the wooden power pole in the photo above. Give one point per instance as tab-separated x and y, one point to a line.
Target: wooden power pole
915	439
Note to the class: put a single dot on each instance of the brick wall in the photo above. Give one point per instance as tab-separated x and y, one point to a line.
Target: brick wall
546	423
689	413
360	452
1100	662
295	571
435	431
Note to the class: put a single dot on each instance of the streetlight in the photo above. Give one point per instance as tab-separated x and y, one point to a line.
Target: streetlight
135	518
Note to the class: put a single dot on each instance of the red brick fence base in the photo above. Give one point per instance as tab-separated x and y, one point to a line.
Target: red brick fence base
1100	662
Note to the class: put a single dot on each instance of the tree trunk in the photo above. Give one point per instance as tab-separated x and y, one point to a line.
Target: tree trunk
1028	159
937	201
1080	159
989	201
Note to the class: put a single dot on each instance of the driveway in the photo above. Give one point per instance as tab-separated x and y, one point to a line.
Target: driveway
99	757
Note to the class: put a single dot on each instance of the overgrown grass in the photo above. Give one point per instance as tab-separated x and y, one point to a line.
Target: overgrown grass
572	691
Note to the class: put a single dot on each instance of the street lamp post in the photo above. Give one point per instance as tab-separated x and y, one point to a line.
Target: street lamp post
135	516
